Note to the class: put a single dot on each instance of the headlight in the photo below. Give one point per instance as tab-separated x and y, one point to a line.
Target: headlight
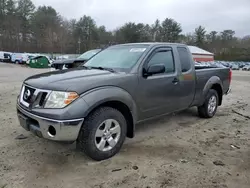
59	99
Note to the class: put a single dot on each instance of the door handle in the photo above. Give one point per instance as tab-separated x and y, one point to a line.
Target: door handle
175	81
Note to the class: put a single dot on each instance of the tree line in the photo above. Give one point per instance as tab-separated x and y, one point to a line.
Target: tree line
26	28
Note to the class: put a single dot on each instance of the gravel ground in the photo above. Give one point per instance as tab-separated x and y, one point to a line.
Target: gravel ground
179	150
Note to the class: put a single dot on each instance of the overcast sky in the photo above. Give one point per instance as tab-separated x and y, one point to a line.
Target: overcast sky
213	14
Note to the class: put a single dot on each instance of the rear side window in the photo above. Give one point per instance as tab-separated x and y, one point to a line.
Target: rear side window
184	59
163	57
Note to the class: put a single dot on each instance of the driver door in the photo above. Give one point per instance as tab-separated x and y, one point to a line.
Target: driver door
158	94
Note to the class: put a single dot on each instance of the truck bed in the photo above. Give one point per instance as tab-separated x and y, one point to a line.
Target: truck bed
205	73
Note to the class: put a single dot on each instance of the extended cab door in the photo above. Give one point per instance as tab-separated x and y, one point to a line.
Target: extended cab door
187	77
158	94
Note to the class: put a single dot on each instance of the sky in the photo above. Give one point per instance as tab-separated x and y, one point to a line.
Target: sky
215	15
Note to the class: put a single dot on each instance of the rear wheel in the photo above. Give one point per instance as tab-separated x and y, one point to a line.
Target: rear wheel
102	134
209	108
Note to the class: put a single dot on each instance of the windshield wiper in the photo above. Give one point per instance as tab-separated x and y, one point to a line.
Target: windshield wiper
104	68
85	67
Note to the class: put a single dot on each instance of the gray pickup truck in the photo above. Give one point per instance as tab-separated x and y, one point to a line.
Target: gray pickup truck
98	104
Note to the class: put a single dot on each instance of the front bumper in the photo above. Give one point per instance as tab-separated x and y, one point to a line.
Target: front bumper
57	130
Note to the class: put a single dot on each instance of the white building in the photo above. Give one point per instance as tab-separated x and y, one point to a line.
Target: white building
200	54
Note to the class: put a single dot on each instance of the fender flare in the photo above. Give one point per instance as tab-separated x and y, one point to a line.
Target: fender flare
212	81
100	95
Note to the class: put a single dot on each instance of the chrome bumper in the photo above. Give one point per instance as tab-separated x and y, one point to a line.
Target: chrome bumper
57	130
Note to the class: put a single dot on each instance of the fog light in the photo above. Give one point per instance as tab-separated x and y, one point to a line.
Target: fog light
51	131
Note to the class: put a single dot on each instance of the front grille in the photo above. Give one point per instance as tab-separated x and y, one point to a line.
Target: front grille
33	98
42	99
28	94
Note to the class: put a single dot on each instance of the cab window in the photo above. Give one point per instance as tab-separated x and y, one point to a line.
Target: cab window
184	59
164	57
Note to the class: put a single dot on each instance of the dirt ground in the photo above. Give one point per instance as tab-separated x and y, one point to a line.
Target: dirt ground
179	150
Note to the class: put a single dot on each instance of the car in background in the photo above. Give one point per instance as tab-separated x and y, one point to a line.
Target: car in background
5	56
246	68
87	55
62	57
235	67
20	58
217	64
1	56
71	63
242	64
30	57
226	64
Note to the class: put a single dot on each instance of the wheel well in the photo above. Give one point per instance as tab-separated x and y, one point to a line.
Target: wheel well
218	88
124	109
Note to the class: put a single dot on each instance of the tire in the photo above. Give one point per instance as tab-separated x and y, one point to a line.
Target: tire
16	62
205	111
97	122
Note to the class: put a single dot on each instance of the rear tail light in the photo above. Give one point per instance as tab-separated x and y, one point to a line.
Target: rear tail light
230	75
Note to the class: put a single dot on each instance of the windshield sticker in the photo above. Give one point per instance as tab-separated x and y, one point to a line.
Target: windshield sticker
137	49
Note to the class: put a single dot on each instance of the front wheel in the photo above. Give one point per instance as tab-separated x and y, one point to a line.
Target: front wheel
102	134
209	108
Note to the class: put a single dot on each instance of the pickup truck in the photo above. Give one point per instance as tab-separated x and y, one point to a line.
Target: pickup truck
98	104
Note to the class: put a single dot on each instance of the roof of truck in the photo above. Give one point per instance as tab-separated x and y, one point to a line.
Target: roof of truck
151	43
193	49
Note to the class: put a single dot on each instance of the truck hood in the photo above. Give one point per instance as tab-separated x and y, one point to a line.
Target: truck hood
75	79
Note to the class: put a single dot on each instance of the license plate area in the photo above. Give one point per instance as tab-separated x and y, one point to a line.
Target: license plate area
24	122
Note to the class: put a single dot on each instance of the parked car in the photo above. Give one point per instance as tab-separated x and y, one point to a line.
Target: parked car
5	56
71	63
246	68
30	57
216	64
241	64
235	67
63	57
98	104
20	58
1	56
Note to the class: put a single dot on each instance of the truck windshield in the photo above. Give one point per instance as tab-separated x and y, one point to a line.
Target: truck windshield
119	58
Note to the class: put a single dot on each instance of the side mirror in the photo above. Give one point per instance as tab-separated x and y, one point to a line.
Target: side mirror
155	69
